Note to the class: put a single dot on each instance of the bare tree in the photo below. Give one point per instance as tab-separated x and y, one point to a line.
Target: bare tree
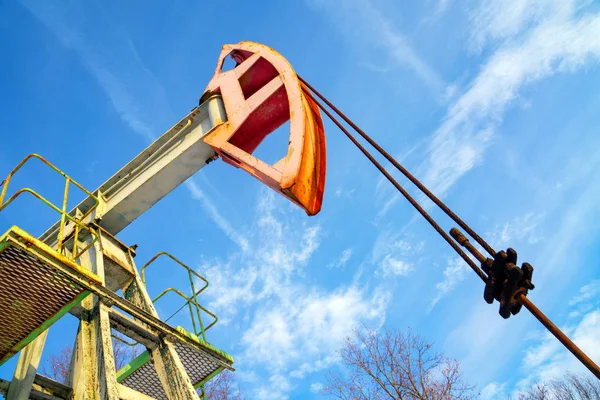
570	387
123	352
58	365
395	365
223	387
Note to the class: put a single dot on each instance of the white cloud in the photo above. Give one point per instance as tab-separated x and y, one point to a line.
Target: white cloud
309	325
315	366
362	20
548	359
440	9
497	21
394	253
493	391
521	229
299	336
281	248
316	387
395	266
293	328
454	273
586	293
562	39
342	259
277	389
342	192
217	217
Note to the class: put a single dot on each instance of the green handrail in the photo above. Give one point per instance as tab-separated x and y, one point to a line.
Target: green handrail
191	301
62	211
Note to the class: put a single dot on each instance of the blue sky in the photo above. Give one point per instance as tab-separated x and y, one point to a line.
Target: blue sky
492	105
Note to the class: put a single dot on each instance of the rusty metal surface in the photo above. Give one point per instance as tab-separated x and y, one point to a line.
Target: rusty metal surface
539	315
197	365
118	271
31	294
260	94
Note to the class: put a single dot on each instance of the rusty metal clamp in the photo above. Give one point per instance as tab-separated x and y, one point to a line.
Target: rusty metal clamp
506	280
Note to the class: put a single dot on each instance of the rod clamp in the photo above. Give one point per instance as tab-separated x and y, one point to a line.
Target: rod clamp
506	280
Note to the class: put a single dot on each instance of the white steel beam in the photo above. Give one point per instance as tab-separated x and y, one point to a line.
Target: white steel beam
155	172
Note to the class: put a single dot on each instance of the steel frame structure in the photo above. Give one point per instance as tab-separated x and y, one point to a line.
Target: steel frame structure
238	109
92	226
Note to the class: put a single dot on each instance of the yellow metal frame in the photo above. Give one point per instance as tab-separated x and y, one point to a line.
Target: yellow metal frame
75	254
45	254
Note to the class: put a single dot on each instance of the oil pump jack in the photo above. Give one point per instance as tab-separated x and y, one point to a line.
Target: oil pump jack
78	265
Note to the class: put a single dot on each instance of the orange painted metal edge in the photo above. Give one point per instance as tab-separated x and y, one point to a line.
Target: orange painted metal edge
300	175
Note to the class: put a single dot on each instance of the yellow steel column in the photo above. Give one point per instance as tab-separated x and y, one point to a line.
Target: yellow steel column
27	366
169	368
93	372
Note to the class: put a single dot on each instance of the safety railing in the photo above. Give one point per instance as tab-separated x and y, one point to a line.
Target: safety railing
190	301
64	215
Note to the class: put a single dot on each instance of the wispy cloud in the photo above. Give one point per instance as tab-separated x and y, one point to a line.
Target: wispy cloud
342	259
345	193
440	9
586	300
391	266
548	359
395	253
281	248
531	42
311	326
316	387
493	391
277	388
523	229
454	273
135	93
293	328
217	217
362	20
586	293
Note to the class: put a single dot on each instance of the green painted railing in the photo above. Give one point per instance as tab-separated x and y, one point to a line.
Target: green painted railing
64	215
190	301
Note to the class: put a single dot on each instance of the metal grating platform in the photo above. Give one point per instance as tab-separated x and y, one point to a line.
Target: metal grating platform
34	291
196	357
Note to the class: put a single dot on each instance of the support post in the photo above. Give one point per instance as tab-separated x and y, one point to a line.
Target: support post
29	361
169	368
93	373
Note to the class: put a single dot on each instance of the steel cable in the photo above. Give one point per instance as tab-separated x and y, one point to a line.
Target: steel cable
539	315
408	197
406	173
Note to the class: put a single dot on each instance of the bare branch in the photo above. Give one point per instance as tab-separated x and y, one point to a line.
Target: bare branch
570	387
223	387
396	365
